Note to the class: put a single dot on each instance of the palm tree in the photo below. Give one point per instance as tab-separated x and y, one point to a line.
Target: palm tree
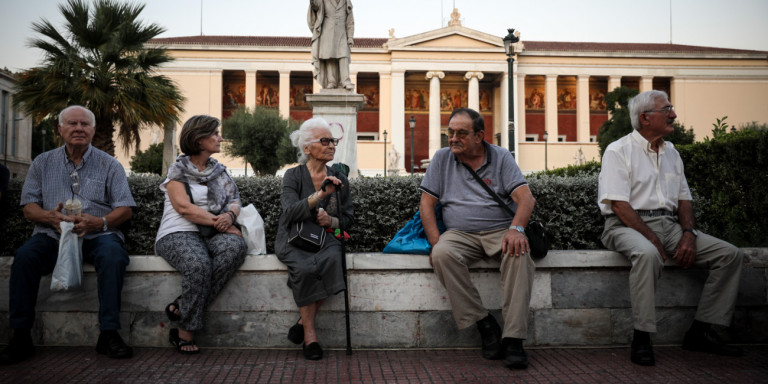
100	62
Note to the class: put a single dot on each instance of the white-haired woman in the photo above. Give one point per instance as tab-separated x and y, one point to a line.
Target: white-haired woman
313	276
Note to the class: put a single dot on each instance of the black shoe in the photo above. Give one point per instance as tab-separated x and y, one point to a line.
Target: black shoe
642	353
111	344
514	354
296	333
490	332
312	351
708	341
19	349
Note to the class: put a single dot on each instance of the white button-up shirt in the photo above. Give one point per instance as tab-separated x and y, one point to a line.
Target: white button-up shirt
647	180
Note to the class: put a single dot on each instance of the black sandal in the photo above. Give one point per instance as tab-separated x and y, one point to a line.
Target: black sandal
171	315
296	333
179	343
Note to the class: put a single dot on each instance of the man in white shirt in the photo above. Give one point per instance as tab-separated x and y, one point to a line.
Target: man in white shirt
644	197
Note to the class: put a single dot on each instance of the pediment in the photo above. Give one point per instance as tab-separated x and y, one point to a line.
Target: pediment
448	38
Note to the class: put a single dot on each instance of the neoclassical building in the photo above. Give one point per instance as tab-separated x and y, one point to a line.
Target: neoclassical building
558	88
15	130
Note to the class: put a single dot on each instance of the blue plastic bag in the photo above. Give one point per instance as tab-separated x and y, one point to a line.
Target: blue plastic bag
412	238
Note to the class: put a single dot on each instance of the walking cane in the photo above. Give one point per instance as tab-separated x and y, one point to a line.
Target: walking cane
343	264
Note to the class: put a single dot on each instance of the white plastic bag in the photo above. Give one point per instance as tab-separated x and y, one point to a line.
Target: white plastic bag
68	273
252	226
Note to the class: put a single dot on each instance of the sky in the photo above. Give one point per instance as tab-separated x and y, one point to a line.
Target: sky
741	24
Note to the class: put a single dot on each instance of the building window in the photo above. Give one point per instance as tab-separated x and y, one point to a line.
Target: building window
593	139
367	136
561	138
531	137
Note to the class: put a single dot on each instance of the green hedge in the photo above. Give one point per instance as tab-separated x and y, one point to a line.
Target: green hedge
728	177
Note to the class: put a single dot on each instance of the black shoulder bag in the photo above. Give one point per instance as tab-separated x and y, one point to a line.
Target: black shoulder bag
535	231
306	234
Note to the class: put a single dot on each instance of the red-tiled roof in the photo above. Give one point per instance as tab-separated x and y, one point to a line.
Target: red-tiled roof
530	46
625	47
263	41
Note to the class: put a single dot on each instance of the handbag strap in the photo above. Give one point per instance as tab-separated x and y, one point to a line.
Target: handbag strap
489	190
189	192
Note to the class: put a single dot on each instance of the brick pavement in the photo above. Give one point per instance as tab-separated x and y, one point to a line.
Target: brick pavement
548	365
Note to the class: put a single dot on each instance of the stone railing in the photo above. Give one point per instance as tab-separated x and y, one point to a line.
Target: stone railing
579	298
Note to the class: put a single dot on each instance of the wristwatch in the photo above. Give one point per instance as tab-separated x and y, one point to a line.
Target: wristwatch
105	227
517	228
692	231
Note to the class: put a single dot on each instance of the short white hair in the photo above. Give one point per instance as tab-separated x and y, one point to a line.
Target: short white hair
644	102
87	111
301	137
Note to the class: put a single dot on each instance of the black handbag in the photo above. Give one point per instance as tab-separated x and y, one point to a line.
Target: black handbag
307	235
535	231
205	230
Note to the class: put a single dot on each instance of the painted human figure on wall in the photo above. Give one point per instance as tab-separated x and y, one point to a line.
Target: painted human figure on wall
332	26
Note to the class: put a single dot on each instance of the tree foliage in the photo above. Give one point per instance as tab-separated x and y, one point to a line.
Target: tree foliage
260	136
149	161
99	61
619	125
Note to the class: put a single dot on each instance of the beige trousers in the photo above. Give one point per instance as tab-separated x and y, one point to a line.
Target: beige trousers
452	256
723	260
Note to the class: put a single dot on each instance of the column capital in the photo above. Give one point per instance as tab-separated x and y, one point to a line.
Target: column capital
438	74
470	75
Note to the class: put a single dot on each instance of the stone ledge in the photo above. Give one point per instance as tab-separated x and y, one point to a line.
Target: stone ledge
579	298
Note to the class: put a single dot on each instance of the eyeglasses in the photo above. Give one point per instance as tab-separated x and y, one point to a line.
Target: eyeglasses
460	134
666	110
325	141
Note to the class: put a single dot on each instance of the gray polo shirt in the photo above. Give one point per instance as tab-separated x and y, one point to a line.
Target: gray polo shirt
103	185
466	205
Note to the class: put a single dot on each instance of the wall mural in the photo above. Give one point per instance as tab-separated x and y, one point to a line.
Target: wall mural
535	99
370	96
566	98
417	99
596	100
233	95
298	95
267	95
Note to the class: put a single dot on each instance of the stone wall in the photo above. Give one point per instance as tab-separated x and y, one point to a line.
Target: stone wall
579	298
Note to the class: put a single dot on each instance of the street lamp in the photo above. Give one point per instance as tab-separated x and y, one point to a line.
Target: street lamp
412	123
385	153
43	132
546	155
510	39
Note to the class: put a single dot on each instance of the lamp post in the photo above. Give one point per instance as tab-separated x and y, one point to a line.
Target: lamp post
385	153
510	39
43	132
546	155
412	123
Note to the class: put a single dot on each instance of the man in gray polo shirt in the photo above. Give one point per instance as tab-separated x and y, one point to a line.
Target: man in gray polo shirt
477	227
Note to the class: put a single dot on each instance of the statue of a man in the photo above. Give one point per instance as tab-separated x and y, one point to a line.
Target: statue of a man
332	27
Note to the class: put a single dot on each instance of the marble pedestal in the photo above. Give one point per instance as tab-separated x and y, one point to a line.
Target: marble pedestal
339	107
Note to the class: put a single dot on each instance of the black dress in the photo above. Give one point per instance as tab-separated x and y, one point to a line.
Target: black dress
311	276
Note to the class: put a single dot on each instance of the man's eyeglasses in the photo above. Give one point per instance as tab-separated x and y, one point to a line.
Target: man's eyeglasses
325	141
666	110
460	134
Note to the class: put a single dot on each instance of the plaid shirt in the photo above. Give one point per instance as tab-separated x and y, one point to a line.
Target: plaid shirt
103	186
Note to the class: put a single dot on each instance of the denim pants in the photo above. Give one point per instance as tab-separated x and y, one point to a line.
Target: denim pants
37	257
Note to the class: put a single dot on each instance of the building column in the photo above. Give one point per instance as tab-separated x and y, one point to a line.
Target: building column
385	108
550	107
250	89
353	79
613	82
504	109
677	95
434	110
398	116
646	83
519	110
473	96
284	105
582	108
215	107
